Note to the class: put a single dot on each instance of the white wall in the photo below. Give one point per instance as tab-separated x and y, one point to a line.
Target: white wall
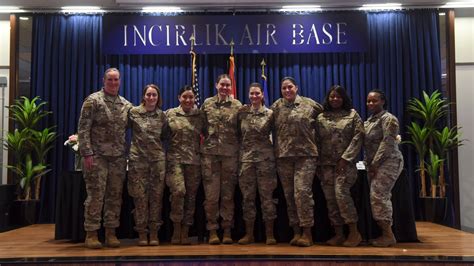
4	95
464	39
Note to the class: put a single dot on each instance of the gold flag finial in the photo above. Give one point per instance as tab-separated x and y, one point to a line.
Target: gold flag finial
263	66
193	41
232	46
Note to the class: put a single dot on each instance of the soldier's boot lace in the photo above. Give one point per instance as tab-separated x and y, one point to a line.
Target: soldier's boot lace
154	241
269	233
213	238
248	237
306	239
354	238
339	238
142	239
92	241
110	238
184	235
387	238
227	238
176	238
296	235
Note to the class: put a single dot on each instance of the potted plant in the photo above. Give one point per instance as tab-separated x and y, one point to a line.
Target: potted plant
29	146
432	142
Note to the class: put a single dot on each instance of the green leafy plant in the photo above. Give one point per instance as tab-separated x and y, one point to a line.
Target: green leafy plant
29	145
432	169
418	138
446	139
426	135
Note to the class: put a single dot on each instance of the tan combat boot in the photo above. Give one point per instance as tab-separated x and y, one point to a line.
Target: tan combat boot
339	238
91	240
269	233
110	238
248	237
184	235
213	238
176	238
306	239
154	241
296	235
387	238
142	239
354	237
227	238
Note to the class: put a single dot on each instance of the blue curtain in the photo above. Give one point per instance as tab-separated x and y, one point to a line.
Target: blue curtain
403	58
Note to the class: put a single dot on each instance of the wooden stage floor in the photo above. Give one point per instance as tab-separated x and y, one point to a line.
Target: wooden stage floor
438	244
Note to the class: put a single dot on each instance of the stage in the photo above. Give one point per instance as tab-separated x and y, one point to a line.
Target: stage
438	245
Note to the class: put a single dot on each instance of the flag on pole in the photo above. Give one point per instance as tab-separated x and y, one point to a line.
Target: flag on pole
194	74
232	70
264	83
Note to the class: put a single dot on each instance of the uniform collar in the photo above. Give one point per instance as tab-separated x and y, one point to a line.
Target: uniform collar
296	102
179	110
378	115
109	98
142	110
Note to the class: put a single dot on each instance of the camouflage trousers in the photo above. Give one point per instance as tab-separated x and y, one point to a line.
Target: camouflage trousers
296	177
146	182
259	175
104	185
337	191
219	177
183	181
381	188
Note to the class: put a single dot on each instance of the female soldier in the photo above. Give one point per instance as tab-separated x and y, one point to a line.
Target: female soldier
296	152
257	163
147	164
384	163
220	158
183	163
340	137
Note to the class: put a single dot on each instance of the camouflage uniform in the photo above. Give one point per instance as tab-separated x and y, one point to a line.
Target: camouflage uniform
296	152
383	155
257	162
220	160
340	136
146	179
184	170
102	127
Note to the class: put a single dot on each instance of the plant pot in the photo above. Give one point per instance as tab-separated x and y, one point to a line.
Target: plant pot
434	209
7	196
24	212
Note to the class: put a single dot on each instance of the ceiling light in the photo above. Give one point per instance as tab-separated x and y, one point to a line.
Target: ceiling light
300	8
81	9
10	9
458	4
24	18
162	9
386	6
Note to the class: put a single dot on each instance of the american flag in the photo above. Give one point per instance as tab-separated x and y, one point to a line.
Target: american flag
232	75
264	83
194	77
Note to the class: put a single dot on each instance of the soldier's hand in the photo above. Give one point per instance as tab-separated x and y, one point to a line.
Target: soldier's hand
88	162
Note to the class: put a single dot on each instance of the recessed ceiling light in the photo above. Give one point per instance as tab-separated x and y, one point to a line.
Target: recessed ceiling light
300	8
162	9
385	6
10	9
81	9
459	4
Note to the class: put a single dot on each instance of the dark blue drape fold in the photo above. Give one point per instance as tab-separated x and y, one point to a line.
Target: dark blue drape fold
403	58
